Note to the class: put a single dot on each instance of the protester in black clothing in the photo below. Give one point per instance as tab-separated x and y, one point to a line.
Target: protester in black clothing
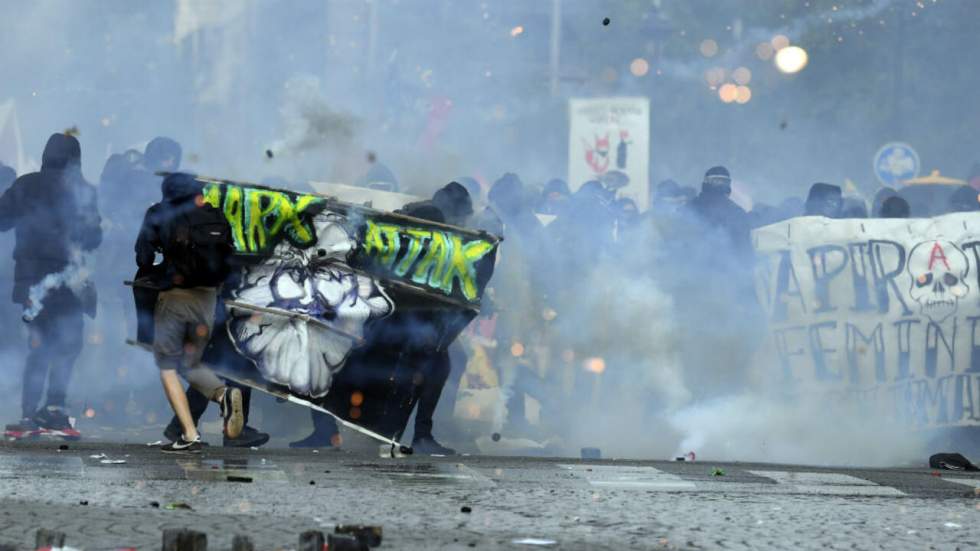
852	207
894	207
554	197
964	199
55	215
428	358
714	208
453	201
824	200
195	241
879	200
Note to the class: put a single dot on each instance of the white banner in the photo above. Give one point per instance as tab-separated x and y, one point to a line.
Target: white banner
610	134
883	311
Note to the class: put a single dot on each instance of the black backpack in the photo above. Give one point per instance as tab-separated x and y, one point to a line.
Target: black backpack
197	246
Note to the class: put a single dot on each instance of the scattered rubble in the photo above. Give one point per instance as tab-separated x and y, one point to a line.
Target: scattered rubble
368	535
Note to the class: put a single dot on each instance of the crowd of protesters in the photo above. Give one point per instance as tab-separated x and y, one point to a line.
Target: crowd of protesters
552	323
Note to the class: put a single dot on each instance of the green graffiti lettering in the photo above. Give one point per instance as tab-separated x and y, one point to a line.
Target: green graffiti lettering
416	240
258	216
462	265
233	213
382	240
298	230
429	270
437	259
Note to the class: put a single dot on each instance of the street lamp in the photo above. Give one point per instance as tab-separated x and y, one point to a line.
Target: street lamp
791	59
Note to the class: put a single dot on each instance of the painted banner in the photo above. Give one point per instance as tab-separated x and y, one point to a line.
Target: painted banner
885	312
329	298
608	138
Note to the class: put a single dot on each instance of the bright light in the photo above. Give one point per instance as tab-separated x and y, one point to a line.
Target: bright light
517	31
743	94
639	67
728	92
742	75
791	59
708	47
595	365
764	51
714	76
779	42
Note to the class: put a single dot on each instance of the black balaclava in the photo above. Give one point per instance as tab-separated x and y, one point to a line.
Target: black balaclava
62	151
881	196
454	202
894	207
162	154
823	200
717	181
507	194
964	199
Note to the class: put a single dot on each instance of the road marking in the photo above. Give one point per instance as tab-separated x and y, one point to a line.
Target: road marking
640	478
828	483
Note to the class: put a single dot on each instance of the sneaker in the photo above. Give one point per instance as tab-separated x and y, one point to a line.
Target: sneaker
183	446
53	418
427	445
232	412
315	440
172	433
25	428
249	438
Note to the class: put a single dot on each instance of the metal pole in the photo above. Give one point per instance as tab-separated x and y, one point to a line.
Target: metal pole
555	51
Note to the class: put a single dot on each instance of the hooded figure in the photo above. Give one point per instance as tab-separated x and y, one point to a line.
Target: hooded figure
964	199
853	207
55	216
162	154
824	200
554	197
714	208
878	202
455	203
894	207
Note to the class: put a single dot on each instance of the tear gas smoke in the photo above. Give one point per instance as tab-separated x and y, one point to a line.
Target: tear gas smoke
75	277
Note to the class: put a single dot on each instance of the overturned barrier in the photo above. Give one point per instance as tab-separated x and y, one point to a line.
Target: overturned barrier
882	313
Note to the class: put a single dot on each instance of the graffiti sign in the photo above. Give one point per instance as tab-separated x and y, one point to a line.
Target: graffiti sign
884	311
260	218
437	259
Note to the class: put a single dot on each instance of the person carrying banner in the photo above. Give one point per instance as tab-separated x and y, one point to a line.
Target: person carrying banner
824	200
195	241
56	218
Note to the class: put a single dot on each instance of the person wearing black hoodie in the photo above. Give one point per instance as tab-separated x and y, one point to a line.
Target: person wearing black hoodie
55	216
195	241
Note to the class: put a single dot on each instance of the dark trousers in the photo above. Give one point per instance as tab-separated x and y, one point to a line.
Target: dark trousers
432	372
55	342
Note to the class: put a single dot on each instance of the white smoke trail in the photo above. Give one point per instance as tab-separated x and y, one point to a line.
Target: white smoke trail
75	277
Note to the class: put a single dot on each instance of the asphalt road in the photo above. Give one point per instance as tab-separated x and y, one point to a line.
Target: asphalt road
274	494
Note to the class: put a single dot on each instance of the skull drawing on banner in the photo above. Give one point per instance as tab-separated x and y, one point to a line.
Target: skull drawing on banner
938	270
329	306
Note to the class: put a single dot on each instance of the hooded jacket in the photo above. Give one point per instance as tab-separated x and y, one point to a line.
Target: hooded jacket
179	214
54	214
